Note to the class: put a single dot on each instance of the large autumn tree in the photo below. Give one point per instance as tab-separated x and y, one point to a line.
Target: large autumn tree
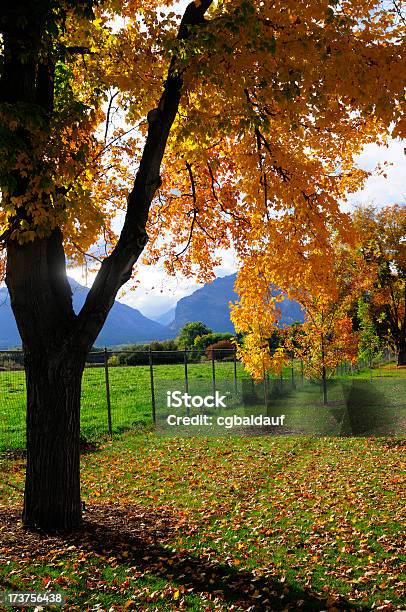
259	108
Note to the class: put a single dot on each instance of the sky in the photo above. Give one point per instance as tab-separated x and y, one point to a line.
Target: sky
378	190
157	292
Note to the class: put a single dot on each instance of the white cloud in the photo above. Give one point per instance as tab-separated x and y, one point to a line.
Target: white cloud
158	292
379	190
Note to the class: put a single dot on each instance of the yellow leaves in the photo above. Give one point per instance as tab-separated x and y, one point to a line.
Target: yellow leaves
276	102
319	275
279	359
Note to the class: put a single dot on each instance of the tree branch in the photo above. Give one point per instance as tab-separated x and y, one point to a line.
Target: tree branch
117	268
215	196
109	108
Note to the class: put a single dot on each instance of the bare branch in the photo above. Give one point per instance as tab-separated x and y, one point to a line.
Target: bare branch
398	10
77	247
112	97
195	210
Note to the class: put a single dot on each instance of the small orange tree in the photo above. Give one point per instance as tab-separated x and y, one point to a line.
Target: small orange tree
259	108
324	288
327	339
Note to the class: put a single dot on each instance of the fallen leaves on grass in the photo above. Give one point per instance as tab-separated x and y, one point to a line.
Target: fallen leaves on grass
238	524
135	541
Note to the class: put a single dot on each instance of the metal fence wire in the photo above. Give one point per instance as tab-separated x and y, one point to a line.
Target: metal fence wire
121	388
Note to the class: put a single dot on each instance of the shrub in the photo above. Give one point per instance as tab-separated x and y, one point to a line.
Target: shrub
165	352
202	342
221	350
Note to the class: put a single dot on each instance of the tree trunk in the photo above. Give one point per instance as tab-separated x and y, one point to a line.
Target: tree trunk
52	488
323	372
324	381
42	304
55	339
402	356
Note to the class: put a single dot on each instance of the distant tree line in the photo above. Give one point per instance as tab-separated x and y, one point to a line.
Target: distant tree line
196	338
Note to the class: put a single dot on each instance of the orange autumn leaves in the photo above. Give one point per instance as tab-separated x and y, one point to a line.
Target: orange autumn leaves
369	267
325	289
278	99
263	150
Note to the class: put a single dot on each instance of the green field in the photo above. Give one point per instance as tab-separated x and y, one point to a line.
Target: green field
130	393
236	523
254	524
131	399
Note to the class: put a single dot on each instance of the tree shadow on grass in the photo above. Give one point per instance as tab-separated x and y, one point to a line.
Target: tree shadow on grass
374	409
139	538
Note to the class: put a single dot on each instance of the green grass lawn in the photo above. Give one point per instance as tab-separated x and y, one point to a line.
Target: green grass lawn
131	398
130	393
230	524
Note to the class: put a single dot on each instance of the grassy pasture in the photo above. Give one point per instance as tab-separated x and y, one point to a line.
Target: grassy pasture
131	398
129	390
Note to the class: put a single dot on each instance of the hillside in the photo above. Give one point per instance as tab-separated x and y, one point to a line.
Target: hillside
210	304
166	318
124	325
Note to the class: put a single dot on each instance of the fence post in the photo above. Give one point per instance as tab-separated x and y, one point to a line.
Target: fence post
324	382
186	372
293	374
106	374
151	373
186	378
213	369
302	371
235	372
265	396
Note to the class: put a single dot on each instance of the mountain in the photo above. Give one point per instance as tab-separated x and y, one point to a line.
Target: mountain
166	318
210	304
9	336
124	325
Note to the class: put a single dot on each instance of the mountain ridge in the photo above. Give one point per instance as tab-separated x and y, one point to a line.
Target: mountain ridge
124	324
127	325
210	304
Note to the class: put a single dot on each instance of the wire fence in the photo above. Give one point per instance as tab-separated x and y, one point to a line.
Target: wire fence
121	389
